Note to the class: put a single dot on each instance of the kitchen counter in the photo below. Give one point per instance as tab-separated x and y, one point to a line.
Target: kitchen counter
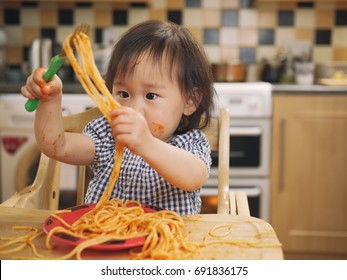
14	87
72	87
308	89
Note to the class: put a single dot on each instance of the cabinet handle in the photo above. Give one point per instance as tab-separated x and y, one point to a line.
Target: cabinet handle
282	154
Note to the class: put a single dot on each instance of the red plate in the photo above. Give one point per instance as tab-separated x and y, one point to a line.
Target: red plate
76	213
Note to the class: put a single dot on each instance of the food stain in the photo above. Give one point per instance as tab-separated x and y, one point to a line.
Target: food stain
157	129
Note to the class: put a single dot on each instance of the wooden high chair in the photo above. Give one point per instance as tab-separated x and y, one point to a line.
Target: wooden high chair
44	192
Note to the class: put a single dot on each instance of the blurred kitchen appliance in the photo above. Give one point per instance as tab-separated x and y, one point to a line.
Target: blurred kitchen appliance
19	154
40	53
250	106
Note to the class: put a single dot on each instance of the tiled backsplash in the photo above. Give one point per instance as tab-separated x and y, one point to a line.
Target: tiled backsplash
228	29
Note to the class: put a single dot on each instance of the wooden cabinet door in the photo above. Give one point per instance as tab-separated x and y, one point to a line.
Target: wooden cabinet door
309	173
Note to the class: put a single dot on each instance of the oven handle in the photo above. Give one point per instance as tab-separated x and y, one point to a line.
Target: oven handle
245	130
249	191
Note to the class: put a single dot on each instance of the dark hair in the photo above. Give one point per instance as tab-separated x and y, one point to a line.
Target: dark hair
166	40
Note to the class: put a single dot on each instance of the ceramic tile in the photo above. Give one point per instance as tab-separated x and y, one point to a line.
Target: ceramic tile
283	35
29	34
65	5
230	18
229	36
230	54
325	5
248	18
84	16
138	15
267	19
211	18
248	37
322	54
175	16
48	33
247	55
65	17
158	4
213	53
341	17
48	5
340	54
63	31
211	4
14	35
193	3
120	17
12	16
265	52
323	37
305	34
305	5
30	17
304	18
246	3
14	55
211	36
342	4
339	37
159	14
193	17
324	18
266	36
102	17
286	5
175	4
285	18
48	17
197	34
230	4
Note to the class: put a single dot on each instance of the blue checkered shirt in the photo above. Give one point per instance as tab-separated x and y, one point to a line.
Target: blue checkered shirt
137	180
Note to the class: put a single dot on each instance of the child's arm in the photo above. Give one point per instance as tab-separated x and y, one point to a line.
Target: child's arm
177	166
72	148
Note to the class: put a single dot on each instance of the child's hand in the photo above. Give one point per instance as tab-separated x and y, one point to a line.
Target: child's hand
130	128
36	87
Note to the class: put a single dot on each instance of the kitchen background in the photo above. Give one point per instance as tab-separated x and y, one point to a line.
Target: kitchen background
231	31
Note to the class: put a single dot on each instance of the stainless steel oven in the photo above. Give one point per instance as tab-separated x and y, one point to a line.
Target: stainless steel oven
250	106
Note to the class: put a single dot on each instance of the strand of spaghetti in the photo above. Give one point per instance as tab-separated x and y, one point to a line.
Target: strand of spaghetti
242	243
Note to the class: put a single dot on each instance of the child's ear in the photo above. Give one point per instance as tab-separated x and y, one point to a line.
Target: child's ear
192	103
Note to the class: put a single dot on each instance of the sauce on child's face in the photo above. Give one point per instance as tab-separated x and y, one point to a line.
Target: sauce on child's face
151	91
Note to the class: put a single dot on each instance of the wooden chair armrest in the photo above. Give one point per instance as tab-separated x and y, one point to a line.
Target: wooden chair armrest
45	185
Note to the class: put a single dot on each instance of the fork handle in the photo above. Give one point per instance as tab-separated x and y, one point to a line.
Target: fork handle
55	65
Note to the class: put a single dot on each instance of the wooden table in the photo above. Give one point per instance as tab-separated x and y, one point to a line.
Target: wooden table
247	229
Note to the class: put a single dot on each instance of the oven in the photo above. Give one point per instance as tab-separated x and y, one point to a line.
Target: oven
250	139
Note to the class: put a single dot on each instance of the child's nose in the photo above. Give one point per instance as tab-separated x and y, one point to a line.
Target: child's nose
137	106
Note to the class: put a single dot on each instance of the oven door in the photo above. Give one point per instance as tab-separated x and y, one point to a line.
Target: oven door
256	189
249	148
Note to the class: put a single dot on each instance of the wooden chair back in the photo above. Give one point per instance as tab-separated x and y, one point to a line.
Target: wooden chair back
44	192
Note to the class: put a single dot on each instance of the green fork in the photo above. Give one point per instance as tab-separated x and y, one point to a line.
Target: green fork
55	65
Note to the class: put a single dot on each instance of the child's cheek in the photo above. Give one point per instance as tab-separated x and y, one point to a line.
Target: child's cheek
157	129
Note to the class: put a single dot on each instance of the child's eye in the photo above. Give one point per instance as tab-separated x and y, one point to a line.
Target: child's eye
151	96
123	94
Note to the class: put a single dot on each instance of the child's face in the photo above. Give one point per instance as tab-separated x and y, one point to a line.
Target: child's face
152	92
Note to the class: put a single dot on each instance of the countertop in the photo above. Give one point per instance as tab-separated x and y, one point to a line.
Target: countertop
74	87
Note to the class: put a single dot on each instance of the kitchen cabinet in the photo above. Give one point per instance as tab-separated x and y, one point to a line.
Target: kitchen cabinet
309	173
